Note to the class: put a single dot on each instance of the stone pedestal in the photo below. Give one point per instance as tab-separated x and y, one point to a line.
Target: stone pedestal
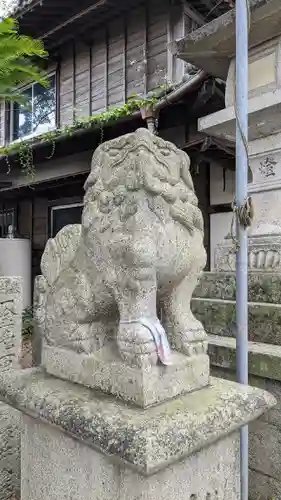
80	444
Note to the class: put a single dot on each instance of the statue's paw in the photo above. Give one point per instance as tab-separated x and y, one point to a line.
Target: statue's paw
136	346
188	336
193	348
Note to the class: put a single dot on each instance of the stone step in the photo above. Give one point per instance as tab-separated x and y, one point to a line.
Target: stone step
264	359
263	287
219	318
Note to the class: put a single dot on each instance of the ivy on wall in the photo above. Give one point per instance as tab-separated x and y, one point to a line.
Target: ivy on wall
25	149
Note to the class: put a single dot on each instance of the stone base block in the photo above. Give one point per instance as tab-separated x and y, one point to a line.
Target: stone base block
104	372
56	466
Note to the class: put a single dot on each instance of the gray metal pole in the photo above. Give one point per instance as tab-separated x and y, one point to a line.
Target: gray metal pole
241	195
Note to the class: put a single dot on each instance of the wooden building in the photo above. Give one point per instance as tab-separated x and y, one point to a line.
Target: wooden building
101	53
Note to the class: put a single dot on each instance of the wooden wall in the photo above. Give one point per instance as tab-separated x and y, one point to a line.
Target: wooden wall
127	56
201	180
33	210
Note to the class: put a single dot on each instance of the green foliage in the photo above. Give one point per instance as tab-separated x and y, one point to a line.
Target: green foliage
17	61
27	322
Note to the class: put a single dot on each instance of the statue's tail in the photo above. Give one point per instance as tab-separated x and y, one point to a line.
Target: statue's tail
60	251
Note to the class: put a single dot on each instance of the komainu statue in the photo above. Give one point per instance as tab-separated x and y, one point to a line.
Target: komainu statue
133	263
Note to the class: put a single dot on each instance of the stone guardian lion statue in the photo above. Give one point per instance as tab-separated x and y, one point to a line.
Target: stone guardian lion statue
136	256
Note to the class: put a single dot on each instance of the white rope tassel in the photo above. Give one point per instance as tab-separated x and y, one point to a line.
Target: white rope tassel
159	336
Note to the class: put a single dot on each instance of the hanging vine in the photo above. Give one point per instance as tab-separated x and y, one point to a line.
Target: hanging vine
25	155
50	156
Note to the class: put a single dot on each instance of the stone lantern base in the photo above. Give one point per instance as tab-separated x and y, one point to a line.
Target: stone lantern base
264	254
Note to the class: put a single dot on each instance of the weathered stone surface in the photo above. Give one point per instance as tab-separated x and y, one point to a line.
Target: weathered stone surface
10	345
10	321
265	107
134	260
261	371
265	434
11	286
9	452
211	46
264	359
147	440
263	487
104	371
265	449
264	71
262	439
39	298
263	287
274	415
70	469
264	254
219	318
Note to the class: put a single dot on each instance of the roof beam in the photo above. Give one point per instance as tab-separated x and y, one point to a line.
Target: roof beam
20	12
70	20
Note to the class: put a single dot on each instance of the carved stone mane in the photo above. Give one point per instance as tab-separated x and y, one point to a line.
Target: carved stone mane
147	163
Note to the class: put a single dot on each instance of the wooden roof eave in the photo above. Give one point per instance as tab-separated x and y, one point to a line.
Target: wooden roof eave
52	22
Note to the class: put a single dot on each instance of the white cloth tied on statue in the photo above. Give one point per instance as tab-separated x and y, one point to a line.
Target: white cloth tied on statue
159	336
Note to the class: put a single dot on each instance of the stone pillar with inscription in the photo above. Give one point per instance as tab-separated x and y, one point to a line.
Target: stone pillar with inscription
218	39
123	405
264	157
10	345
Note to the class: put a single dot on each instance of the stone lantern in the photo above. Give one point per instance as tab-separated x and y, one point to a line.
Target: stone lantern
212	48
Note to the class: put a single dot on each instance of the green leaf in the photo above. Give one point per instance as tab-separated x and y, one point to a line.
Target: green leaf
19	61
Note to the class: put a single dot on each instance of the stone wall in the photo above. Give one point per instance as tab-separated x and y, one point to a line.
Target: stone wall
10	345
214	304
264	442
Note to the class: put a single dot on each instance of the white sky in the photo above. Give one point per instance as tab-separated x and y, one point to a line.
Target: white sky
6	6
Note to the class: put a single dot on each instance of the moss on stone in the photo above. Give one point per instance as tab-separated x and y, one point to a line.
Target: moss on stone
146	440
216	285
219	318
261	364
263	287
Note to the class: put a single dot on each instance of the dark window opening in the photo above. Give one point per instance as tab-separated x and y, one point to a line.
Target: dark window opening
63	215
